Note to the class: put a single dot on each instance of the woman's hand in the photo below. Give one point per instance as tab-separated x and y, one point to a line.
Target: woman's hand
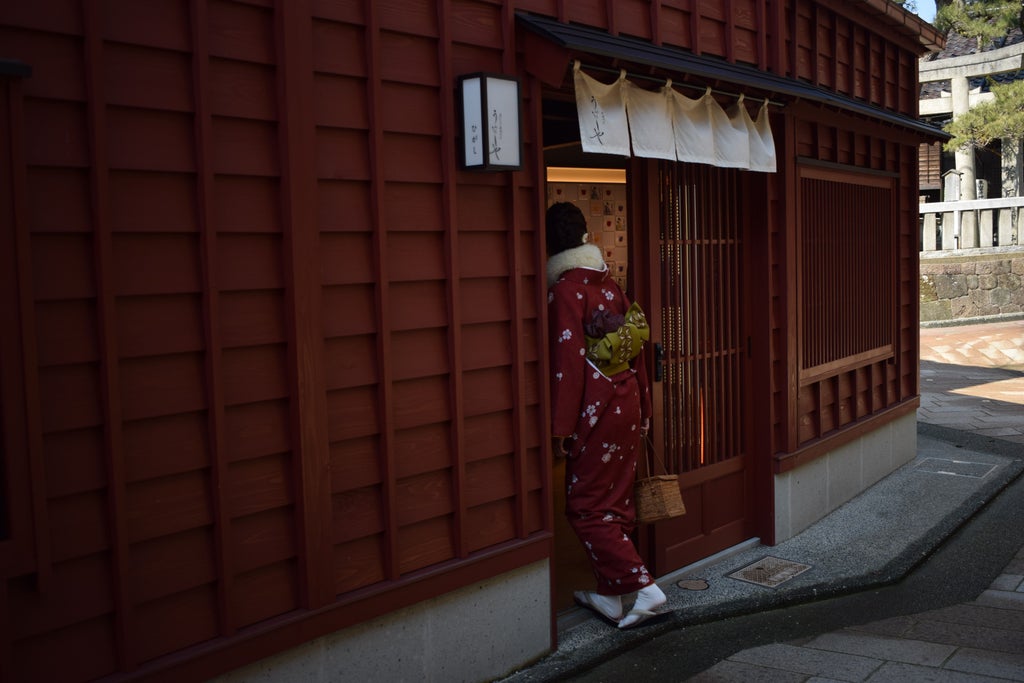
645	426
558	446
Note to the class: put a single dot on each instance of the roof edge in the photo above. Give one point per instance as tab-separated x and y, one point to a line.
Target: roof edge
594	41
928	37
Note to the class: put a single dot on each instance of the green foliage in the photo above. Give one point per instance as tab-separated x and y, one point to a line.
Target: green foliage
983	20
1002	117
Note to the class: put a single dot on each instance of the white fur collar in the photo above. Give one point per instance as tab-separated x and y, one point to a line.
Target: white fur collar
583	256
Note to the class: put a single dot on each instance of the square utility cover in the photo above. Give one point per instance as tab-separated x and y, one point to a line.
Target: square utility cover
957	468
770	571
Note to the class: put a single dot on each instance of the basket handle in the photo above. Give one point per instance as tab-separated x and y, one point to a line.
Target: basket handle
648	445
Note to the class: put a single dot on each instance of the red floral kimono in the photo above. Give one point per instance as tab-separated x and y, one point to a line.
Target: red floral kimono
601	414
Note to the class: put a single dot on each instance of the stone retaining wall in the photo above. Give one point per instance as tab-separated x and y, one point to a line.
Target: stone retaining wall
981	283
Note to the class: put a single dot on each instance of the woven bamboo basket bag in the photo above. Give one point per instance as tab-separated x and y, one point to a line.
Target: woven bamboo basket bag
657	496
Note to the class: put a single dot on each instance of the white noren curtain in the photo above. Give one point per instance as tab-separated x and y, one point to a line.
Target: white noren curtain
664	124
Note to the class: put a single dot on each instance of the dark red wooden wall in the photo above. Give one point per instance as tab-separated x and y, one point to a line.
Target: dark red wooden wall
279	353
272	364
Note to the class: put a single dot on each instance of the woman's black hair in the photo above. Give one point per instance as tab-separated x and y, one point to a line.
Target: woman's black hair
566	227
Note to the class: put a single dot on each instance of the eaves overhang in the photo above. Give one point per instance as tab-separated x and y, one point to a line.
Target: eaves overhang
576	40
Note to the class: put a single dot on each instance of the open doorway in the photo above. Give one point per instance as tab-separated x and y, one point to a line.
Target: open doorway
598	185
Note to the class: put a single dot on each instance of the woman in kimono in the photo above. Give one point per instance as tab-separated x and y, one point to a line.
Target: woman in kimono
601	408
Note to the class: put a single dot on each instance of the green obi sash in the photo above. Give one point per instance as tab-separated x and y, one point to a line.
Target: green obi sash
612	352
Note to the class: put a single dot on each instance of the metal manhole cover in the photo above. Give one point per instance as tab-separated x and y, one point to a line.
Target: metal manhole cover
770	571
956	468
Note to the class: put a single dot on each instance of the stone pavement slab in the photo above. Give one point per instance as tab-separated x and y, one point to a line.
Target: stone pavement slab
981	640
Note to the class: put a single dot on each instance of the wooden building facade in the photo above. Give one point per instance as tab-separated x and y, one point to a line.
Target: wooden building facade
273	366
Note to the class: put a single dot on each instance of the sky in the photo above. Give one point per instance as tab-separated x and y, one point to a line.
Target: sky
926	9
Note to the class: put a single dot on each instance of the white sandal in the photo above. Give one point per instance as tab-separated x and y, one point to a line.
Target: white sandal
583	600
641	615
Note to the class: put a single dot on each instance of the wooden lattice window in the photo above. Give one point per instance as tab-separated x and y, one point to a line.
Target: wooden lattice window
705	341
846	244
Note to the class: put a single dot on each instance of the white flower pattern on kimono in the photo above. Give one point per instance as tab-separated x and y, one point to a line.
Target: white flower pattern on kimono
565	336
611	449
558	376
608	295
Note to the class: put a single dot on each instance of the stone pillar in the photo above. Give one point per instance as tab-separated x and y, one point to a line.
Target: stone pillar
1013	168
949	241
1010	220
964	164
928	241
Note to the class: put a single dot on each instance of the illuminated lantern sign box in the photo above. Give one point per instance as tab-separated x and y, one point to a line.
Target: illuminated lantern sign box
490	122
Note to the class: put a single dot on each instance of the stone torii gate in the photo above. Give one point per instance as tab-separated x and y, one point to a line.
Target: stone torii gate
958	70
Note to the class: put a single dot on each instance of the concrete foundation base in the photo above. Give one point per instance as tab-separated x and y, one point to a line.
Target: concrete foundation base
808	493
477	633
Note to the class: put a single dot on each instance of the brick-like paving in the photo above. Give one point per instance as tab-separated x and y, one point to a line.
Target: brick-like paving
972	378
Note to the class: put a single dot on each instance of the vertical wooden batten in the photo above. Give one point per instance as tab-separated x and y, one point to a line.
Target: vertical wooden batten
519	409
110	400
695	20
730	31
311	456
536	160
28	545
385	404
202	126
777	25
789	267
656	23
761	17
450	222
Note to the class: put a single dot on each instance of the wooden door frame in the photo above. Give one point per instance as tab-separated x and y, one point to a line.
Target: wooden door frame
645	211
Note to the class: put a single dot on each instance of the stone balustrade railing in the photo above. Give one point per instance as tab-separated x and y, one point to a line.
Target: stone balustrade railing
972	224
